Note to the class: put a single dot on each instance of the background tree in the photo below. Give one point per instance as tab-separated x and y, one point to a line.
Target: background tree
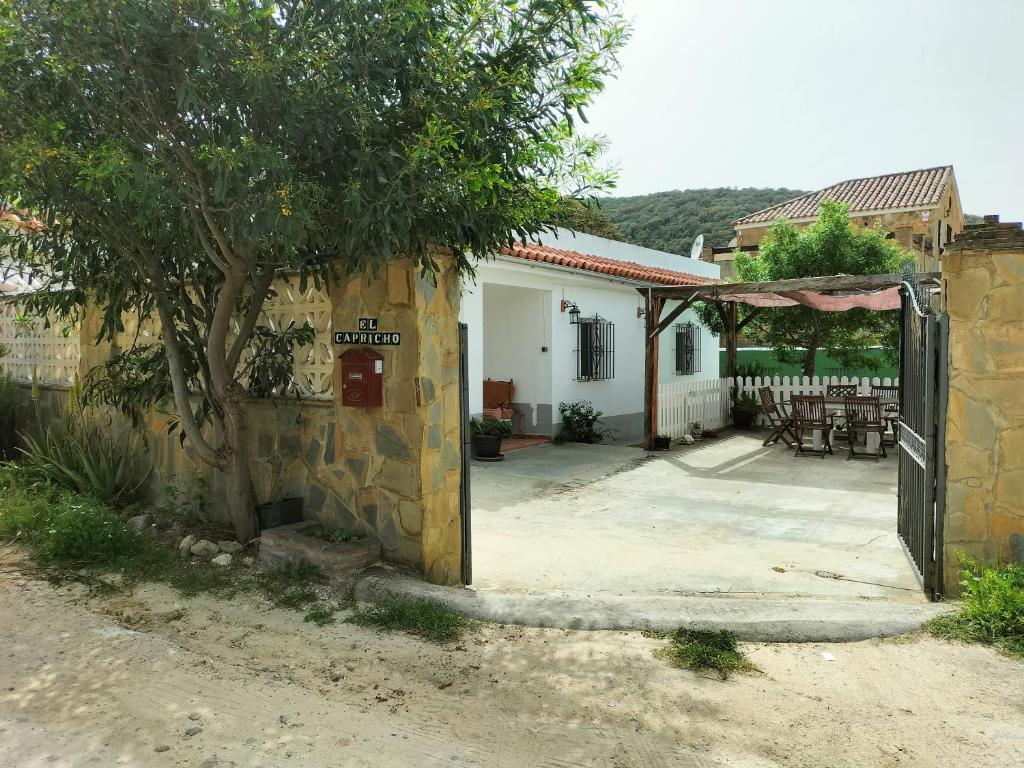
829	246
669	221
585	216
181	153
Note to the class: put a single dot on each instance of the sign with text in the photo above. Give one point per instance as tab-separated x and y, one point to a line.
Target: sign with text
373	338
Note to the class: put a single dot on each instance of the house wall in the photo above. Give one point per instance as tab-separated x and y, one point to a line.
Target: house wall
620	398
983	286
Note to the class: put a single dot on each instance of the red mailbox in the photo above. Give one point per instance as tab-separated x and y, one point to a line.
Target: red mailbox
362	378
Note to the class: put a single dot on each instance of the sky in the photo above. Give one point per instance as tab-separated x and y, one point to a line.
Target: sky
802	94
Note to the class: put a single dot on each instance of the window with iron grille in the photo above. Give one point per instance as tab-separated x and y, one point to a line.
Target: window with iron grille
687	349
595	349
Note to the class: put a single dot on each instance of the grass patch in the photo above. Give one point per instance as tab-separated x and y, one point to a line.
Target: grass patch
63	528
320	614
293	587
427	620
699	650
991	608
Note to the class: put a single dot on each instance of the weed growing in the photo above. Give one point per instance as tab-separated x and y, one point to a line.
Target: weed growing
427	620
293	588
699	650
320	614
992	608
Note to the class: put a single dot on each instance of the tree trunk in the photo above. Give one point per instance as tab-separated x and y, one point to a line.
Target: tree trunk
241	505
809	356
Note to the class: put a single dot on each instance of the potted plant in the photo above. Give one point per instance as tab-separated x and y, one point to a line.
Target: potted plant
662	442
696	431
744	408
486	436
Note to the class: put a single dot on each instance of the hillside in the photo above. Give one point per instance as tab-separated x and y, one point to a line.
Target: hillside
669	221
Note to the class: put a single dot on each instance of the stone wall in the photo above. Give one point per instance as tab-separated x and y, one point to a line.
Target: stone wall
983	286
391	472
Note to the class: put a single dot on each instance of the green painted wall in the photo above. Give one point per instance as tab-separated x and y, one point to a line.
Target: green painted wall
823	364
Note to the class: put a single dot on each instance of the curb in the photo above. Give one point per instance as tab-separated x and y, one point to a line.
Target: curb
769	619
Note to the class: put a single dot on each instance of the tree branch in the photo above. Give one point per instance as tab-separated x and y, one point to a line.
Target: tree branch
260	286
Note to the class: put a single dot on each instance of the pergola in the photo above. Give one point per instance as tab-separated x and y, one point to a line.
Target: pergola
834	293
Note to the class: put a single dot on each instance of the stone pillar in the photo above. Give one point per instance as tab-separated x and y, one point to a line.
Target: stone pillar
393	472
983	287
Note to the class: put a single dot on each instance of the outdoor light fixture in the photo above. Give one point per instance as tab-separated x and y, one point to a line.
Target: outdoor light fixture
640	312
574	311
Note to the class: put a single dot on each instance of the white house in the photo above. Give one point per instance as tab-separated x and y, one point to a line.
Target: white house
523	325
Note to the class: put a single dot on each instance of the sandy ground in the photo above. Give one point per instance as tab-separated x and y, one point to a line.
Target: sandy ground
725	515
90	681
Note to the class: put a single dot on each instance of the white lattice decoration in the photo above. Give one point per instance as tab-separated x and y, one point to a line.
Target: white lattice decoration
51	352
314	364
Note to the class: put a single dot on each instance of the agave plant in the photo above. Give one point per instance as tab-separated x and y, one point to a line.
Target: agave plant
82	456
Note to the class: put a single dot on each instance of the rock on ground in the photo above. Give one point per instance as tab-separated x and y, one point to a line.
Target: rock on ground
204	548
185	545
223	559
231	547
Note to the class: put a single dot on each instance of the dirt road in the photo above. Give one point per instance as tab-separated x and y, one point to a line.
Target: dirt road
121	680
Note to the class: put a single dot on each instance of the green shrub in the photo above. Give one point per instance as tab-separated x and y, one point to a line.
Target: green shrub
85	458
62	527
581	423
991	608
427	620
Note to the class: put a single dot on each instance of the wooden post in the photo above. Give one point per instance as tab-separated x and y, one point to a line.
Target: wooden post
731	338
651	342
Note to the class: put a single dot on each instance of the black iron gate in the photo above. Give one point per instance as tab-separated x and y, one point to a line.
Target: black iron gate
465	505
922	469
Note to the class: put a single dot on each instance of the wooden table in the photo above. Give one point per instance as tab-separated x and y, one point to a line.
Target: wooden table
837	405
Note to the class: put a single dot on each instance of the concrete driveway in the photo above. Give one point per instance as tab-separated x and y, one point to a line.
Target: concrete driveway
723	516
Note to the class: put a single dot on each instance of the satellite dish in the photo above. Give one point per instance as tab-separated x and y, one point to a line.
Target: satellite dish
698	247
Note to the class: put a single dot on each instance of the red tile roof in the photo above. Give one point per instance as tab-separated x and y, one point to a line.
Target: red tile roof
19	219
585	262
911	189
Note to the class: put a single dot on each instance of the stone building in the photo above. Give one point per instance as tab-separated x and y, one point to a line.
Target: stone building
920	209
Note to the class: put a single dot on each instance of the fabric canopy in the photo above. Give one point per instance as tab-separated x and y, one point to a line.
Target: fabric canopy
886	299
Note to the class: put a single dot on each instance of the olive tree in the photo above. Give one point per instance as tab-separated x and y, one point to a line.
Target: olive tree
181	153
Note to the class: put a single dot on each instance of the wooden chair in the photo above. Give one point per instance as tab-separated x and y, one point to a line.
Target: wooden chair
890	411
781	423
842	390
809	414
839	391
864	417
498	402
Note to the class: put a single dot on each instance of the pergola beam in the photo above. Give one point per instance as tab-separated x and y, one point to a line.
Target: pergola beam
684	305
828	284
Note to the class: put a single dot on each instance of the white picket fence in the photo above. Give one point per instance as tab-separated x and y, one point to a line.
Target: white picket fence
681	403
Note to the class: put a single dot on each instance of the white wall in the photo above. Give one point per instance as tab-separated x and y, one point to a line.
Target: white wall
517	342
471	312
613	300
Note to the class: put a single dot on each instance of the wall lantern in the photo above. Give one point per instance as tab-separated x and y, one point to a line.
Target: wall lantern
574	311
